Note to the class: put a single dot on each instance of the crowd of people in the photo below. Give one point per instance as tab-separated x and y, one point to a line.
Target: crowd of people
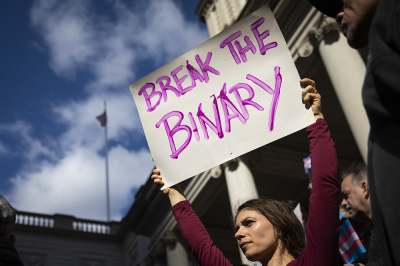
267	230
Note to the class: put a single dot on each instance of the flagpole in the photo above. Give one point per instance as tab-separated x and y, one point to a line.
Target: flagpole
106	155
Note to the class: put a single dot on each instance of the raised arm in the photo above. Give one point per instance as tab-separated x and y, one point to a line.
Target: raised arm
323	223
194	232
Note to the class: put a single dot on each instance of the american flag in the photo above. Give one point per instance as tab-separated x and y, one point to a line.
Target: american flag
350	245
103	119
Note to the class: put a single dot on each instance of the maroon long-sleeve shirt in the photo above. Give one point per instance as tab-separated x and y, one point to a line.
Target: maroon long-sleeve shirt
323	223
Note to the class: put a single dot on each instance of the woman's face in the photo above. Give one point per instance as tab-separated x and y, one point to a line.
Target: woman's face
255	235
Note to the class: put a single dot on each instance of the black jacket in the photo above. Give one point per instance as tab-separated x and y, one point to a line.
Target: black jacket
8	254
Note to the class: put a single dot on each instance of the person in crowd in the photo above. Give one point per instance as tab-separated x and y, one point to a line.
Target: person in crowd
357	201
351	247
376	23
8	254
266	230
363	228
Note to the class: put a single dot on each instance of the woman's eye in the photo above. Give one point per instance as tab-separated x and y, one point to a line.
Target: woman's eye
249	223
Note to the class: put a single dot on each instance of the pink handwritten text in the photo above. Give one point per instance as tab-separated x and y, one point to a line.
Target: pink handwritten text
229	111
164	82
249	44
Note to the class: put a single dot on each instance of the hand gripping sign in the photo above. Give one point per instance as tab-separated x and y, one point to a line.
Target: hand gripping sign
232	94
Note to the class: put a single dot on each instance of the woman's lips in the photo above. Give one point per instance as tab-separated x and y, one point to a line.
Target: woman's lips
244	245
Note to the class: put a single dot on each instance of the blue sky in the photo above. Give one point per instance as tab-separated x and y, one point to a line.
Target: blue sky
59	61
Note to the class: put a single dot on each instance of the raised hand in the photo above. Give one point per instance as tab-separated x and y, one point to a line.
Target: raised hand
311	97
174	193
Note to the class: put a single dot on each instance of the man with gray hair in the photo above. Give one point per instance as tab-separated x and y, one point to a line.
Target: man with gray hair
357	201
356	196
8	254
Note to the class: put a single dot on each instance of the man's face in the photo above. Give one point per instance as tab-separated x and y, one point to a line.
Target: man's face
355	20
343	209
354	199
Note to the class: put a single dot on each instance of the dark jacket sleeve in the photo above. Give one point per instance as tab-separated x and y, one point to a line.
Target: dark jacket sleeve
8	254
197	237
323	223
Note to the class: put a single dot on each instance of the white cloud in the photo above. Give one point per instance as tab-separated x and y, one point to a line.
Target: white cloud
73	182
66	32
83	128
28	146
108	47
163	32
76	184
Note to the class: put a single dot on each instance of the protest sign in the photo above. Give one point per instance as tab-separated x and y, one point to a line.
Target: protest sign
232	94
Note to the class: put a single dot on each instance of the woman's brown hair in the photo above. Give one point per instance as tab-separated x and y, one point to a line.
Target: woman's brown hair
287	227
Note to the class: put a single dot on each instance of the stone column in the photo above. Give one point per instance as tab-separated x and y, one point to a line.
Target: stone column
346	70
176	253
240	183
241	187
223	12
212	21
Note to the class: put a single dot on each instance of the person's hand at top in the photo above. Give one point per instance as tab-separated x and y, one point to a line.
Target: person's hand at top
157	178
174	193
311	97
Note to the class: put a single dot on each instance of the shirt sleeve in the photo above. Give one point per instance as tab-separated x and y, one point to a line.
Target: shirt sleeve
197	237
323	224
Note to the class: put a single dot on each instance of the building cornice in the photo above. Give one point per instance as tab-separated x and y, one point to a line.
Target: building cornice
202	8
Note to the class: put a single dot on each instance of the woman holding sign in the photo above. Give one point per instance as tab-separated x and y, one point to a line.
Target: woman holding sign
265	230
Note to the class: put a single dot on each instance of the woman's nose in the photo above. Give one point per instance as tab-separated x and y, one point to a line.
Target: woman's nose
239	233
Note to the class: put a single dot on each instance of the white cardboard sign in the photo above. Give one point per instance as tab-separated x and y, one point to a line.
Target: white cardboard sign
232	94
